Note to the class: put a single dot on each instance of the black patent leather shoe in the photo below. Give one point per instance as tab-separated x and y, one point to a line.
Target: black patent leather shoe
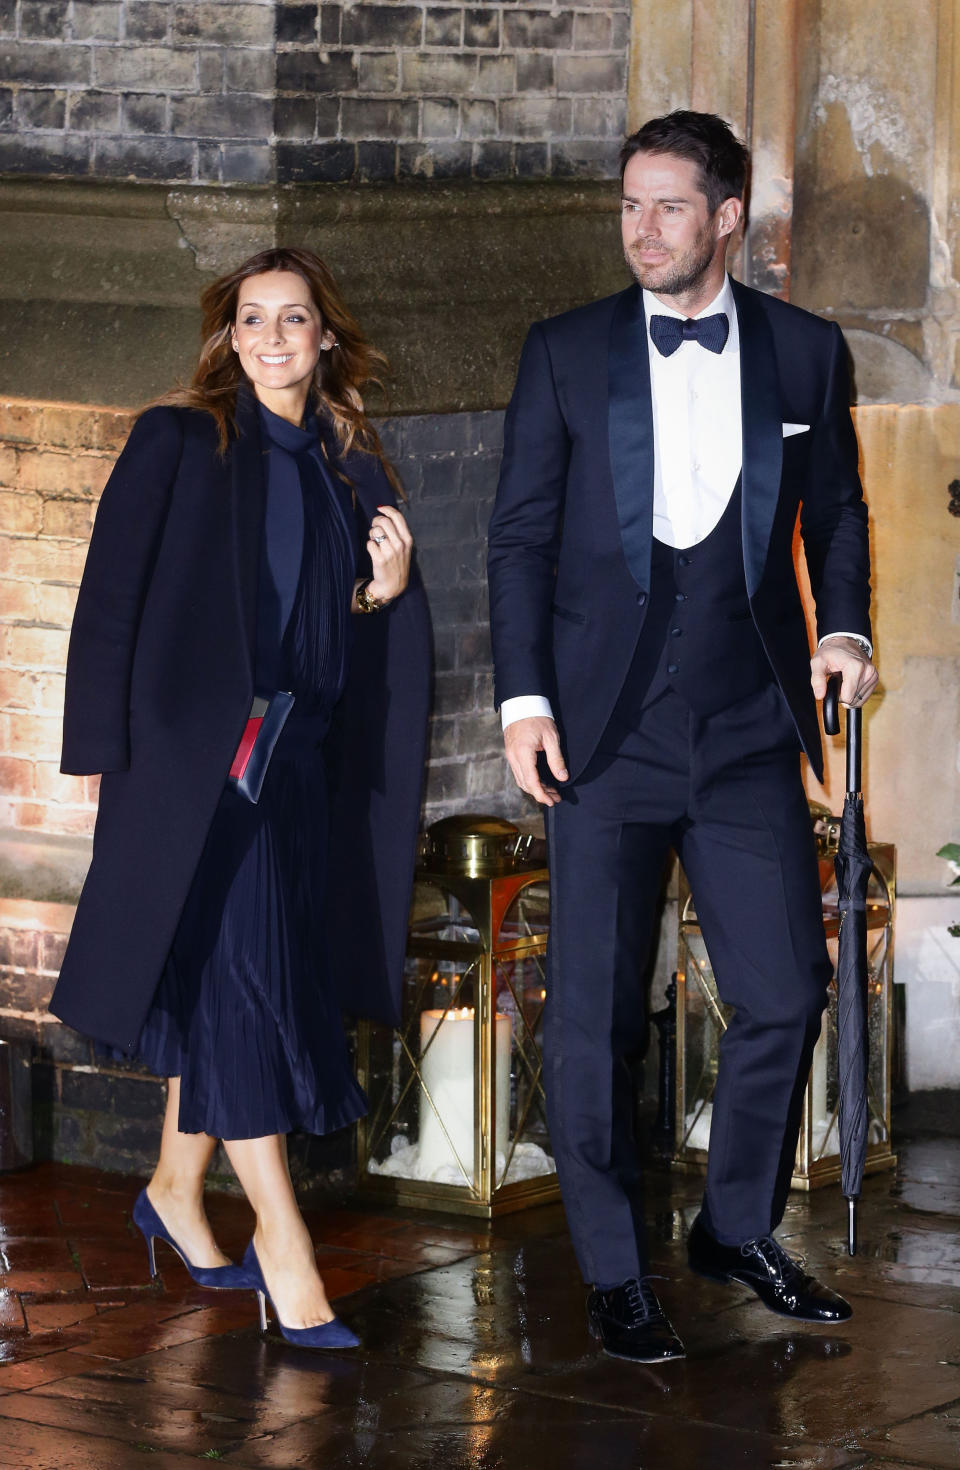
763	1265
630	1323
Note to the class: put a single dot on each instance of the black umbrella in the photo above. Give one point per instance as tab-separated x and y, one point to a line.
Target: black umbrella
853	868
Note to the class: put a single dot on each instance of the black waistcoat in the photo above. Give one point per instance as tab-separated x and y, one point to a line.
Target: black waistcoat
699	636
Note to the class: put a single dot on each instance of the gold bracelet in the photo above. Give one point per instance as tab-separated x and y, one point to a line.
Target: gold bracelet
366	603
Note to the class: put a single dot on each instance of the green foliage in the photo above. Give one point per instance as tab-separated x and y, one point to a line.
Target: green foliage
951	854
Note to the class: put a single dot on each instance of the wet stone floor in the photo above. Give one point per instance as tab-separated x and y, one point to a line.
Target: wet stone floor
475	1352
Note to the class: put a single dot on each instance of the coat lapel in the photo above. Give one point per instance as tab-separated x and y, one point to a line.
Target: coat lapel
630	431
249	501
762	431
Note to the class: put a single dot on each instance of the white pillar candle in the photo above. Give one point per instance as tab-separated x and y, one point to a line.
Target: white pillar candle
446	1070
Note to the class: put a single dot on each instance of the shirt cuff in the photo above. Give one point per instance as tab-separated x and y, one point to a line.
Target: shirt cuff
522	707
865	643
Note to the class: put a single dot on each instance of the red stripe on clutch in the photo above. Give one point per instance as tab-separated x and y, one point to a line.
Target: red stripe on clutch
244	750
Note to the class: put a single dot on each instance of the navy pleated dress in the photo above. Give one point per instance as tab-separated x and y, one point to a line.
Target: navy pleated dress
245	1013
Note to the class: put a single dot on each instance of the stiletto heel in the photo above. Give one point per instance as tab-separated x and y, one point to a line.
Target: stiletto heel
332	1334
152	1228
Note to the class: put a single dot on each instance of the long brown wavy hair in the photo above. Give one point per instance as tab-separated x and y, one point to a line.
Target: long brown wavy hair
340	375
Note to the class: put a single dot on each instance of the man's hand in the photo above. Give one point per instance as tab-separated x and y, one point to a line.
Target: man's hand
843	656
523	740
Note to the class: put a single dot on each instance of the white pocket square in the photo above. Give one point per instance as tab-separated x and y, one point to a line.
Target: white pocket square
789	429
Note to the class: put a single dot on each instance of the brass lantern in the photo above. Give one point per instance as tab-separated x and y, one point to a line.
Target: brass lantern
457	1116
702	1020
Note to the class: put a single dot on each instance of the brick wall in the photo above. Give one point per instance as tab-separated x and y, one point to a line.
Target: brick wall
261	90
151	89
54	461
447	90
449	464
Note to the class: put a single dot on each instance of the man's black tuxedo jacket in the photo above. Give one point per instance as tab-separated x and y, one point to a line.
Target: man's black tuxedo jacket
159	685
571	533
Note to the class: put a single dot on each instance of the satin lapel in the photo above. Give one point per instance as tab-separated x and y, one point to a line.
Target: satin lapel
630	431
249	500
762	431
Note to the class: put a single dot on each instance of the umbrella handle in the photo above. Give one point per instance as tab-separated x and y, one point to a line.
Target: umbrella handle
831	705
831	724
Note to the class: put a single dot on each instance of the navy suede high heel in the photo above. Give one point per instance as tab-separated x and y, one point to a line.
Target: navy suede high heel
332	1334
219	1278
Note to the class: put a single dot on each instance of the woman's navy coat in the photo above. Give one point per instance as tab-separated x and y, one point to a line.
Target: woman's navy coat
158	690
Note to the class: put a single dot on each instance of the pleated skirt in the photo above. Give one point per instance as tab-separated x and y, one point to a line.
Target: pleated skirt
244	1013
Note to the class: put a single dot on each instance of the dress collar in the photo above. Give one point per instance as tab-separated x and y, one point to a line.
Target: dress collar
292	437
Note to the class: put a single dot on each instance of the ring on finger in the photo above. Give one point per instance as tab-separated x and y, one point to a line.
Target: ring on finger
378	537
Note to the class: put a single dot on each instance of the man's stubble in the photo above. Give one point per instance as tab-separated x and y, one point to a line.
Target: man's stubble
688	270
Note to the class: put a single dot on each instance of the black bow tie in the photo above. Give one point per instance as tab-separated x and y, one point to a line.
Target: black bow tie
669	331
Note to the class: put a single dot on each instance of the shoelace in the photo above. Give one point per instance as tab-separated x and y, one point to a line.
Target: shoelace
641	1300
782	1267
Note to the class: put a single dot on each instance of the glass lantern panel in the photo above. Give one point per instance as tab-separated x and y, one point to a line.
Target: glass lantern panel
704	1019
436	914
522	1151
421	1078
528	916
824	1135
878	896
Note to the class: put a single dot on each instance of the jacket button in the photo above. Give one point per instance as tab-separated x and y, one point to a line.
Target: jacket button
641	599
673	668
680	597
683	561
675	632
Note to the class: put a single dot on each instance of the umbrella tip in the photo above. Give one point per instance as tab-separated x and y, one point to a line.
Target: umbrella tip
851	1227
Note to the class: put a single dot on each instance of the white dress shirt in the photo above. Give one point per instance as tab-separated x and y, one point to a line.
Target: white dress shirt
697	437
697	446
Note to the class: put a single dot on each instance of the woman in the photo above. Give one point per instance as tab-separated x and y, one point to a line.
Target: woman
218	936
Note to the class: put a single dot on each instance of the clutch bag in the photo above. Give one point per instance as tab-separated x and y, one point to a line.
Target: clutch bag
262	731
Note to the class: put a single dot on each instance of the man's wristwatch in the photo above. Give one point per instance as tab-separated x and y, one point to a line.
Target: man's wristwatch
365	602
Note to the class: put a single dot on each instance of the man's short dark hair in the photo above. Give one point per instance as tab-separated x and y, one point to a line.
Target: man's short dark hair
705	140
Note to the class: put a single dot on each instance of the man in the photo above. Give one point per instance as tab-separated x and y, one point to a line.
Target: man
654	678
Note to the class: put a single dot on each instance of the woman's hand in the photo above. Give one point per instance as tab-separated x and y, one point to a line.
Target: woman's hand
390	548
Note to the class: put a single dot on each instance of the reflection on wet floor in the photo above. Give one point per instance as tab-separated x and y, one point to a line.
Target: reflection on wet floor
475	1348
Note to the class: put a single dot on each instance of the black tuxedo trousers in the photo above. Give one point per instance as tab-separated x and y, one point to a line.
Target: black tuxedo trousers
724	791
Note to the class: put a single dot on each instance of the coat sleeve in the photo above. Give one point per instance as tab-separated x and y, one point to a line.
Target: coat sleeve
833	516
123	547
376	752
525	528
